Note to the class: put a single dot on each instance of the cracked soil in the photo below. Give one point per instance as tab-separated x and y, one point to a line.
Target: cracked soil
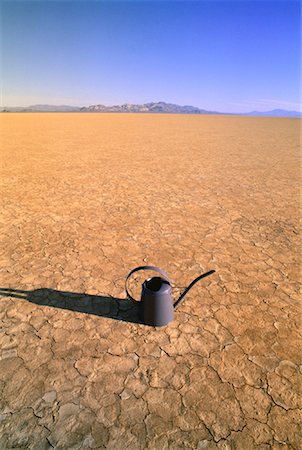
87	197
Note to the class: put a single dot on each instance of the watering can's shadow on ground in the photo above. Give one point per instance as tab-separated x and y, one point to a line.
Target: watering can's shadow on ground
105	306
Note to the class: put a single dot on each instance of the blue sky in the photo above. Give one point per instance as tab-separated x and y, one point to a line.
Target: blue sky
234	56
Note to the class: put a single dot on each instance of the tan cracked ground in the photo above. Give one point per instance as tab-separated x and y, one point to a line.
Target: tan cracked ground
87	197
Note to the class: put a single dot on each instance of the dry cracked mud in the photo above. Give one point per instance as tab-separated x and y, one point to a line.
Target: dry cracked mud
87	197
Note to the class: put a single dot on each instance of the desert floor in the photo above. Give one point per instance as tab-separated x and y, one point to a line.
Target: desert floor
87	197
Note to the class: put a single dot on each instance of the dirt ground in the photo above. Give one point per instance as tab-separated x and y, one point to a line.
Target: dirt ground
87	197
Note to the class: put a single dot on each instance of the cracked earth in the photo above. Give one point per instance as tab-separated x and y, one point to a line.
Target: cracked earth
87	197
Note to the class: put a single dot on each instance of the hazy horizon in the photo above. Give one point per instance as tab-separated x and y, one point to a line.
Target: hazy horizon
226	56
129	103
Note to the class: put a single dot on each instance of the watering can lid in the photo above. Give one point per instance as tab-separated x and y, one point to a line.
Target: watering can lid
155	269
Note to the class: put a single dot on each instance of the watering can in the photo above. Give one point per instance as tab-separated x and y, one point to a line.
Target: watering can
156	305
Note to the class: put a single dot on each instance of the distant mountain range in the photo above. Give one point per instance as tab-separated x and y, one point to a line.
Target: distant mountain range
40	108
158	107
275	113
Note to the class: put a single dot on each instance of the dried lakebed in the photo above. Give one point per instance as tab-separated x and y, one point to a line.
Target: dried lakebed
87	197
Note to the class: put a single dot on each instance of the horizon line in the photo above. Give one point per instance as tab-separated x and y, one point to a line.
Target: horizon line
299	111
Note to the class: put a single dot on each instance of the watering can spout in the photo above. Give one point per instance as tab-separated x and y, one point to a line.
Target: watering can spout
156	305
182	296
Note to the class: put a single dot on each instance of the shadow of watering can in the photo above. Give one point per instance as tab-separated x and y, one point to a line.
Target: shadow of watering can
156	305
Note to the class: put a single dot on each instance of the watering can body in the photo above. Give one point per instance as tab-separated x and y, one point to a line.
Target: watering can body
156	307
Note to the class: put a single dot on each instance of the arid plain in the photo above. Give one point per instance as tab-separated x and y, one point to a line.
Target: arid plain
87	197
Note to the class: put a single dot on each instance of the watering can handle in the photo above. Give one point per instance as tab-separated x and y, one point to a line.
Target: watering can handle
155	269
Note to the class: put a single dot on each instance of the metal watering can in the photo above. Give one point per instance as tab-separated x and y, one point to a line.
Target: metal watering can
156	305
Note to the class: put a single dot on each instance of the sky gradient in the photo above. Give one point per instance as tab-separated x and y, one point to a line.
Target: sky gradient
228	56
